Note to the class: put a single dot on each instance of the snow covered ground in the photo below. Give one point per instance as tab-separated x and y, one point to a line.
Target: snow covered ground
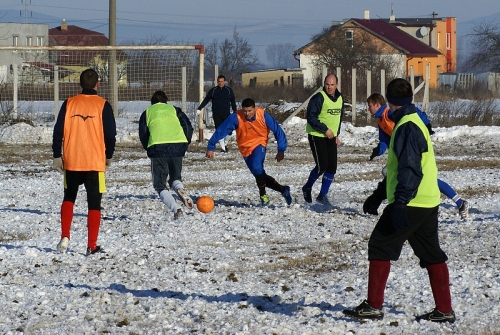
240	269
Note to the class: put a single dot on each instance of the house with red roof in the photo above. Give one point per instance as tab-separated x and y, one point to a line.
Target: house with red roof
79	60
395	40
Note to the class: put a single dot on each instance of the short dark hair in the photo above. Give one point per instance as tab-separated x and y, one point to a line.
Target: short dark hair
221	76
248	103
376	98
159	96
399	88
88	78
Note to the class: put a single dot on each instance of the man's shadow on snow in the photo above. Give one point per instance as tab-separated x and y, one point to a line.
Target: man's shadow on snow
271	304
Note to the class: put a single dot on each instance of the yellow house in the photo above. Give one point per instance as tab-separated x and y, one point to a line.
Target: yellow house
274	77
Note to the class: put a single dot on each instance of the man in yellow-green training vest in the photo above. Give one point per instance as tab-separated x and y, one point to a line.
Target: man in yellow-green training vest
324	116
412	213
165	132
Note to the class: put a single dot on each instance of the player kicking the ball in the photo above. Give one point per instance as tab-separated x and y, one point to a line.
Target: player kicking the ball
252	125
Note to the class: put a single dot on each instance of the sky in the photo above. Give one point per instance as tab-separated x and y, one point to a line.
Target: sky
240	269
262	22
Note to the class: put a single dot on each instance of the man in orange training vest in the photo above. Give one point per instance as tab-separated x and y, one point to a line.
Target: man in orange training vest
252	125
83	144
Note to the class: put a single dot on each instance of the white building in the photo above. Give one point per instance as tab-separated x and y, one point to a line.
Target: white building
21	35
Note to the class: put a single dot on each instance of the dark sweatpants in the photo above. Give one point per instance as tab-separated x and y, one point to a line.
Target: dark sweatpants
324	151
163	168
219	118
386	241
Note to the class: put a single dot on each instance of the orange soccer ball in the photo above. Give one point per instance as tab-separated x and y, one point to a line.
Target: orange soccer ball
205	204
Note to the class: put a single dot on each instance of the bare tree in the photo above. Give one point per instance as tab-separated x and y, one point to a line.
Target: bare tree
350	48
281	55
157	67
485	39
232	55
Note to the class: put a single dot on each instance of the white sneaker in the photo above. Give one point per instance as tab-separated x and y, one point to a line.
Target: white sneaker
188	202
63	245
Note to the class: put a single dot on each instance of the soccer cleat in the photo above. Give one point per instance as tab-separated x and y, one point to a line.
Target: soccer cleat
185	198
464	210
307	194
264	200
178	214
365	311
63	245
97	250
224	150
323	199
287	195
437	316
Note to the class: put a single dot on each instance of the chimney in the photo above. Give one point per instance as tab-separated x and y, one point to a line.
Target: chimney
64	25
367	14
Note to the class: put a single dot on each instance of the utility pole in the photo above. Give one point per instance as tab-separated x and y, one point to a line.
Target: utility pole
26	10
113	77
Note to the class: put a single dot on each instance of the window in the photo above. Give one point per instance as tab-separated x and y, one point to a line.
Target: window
349	38
29	41
438	40
39	41
448	41
15	40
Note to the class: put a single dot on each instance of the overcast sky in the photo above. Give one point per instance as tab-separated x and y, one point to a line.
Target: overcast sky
262	22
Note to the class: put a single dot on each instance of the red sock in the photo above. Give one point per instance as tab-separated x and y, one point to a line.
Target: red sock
93	223
66	218
440	284
377	279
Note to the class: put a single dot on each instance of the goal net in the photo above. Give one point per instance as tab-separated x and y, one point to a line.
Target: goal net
33	77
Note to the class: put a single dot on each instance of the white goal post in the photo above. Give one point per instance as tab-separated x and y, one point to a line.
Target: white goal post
30	74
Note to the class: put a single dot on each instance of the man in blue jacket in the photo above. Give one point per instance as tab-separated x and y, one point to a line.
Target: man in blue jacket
412	213
378	108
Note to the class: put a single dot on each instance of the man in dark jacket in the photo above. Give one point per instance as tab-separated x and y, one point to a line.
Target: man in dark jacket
83	145
223	101
412	214
165	132
324	117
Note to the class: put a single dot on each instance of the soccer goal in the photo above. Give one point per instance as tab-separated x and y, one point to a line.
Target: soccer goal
29	75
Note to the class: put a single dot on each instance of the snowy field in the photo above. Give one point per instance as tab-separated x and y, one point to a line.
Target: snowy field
240	269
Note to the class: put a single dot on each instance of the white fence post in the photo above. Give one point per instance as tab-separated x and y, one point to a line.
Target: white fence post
56	91
16	87
353	98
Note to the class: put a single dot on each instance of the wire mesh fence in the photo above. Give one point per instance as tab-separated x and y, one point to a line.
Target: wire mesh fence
32	77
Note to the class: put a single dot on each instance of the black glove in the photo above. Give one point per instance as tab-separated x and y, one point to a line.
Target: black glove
429	127
371	204
399	216
375	152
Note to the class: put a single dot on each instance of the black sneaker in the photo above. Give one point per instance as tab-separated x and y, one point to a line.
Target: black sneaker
306	192
224	150
365	311
286	194
97	250
323	199
437	316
